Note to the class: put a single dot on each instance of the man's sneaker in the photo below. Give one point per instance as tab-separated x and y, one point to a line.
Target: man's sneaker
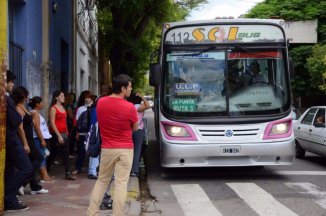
91	176
42	191
58	163
21	191
141	164
106	204
18	208
19	200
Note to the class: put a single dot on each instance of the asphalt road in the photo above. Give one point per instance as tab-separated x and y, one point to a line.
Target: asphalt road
299	189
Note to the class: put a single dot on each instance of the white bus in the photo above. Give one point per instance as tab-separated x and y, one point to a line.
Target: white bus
222	94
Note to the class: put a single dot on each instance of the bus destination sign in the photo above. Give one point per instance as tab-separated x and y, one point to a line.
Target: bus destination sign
224	34
183	105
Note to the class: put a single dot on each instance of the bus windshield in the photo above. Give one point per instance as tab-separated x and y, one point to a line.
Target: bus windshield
229	82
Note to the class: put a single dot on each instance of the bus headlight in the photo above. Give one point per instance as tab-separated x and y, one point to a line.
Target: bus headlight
176	131
278	129
281	128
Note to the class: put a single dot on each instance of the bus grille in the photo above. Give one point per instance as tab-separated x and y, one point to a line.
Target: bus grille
244	132
221	134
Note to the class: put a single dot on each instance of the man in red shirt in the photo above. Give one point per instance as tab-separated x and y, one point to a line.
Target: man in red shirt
117	118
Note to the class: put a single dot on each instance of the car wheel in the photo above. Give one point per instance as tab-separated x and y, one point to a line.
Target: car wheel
299	152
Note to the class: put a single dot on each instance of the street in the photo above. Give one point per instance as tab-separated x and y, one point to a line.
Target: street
299	189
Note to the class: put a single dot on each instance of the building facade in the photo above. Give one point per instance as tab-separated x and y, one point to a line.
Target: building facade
86	47
26	44
53	46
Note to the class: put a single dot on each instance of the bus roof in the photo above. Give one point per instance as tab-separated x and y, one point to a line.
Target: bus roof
228	21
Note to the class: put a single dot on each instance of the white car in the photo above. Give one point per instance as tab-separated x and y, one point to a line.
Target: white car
310	132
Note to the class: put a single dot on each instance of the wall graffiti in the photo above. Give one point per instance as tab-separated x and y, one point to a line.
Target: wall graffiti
34	78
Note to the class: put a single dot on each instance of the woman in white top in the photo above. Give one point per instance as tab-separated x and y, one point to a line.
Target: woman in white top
40	134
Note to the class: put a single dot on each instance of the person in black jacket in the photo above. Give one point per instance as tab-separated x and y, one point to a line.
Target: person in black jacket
19	169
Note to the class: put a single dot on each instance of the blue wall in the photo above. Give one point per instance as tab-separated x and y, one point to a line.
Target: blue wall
25	20
61	43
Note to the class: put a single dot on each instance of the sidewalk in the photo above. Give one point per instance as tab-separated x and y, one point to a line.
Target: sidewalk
72	197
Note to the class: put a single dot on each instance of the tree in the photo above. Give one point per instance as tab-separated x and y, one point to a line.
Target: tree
131	30
316	65
301	83
298	10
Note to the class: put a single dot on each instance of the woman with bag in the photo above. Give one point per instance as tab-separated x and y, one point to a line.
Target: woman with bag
141	104
40	134
59	130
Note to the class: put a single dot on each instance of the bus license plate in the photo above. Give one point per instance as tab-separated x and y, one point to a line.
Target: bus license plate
230	149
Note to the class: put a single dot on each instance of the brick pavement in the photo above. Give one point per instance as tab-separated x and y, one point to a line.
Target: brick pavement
72	197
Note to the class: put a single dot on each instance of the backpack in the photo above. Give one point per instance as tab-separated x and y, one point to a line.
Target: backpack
84	122
93	139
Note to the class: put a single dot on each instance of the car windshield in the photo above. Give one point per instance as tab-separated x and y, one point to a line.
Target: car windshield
225	83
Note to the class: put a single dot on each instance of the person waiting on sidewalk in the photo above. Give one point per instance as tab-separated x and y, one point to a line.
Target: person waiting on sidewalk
71	108
40	134
117	118
80	136
94	161
18	168
20	95
141	104
59	130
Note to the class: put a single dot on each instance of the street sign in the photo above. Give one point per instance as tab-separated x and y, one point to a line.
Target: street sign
301	31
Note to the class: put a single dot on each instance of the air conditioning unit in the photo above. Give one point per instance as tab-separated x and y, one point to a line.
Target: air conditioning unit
90	4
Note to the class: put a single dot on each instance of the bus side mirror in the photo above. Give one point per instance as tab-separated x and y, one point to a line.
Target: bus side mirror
154	74
291	69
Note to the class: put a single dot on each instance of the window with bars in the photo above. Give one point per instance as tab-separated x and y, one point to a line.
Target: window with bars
16	61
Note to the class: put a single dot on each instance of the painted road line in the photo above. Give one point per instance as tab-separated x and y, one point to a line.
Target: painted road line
194	201
311	189
316	173
259	200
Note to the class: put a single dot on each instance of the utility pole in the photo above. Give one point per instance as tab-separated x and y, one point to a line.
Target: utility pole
45	55
3	104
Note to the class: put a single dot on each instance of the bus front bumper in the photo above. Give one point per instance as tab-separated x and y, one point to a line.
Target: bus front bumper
221	155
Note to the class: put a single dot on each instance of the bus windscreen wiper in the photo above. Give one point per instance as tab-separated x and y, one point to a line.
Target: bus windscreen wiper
242	48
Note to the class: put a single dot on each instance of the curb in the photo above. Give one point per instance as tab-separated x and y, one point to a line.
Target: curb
133	206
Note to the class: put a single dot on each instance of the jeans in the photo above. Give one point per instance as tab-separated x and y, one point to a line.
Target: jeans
41	149
19	170
119	161
81	153
93	164
33	183
137	138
